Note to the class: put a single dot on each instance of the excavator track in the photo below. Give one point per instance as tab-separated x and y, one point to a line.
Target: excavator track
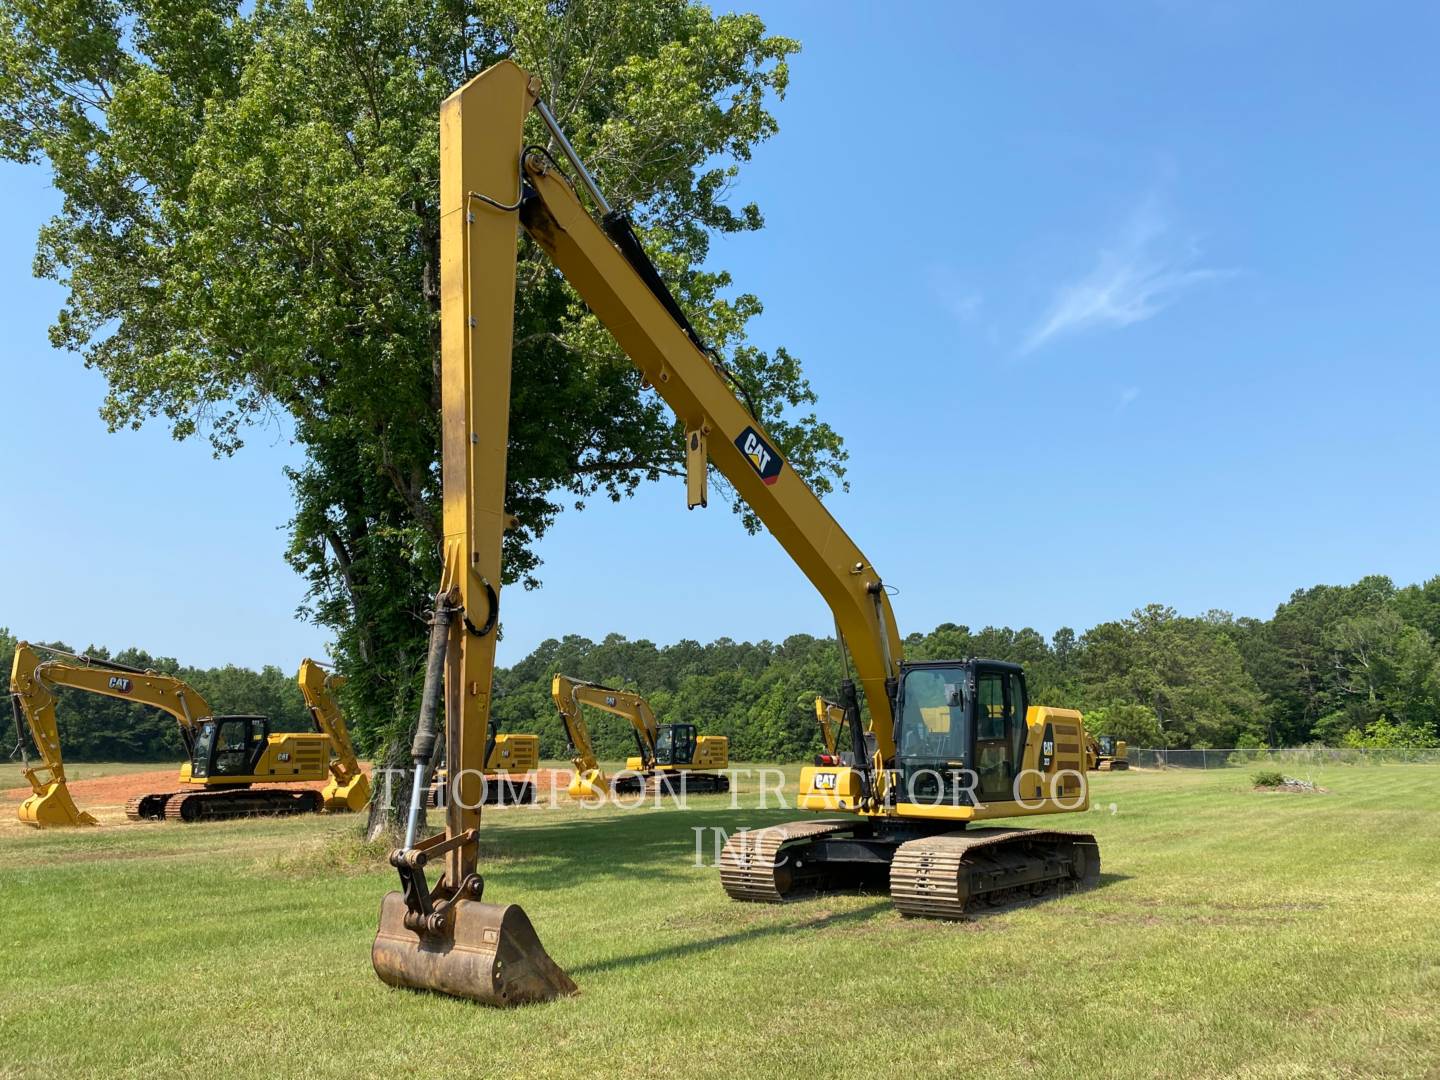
951	874
149	807
754	865
692	783
190	806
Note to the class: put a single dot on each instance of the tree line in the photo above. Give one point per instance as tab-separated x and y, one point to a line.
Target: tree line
1353	665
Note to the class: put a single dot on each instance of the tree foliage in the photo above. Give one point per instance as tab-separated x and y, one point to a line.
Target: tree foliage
249	235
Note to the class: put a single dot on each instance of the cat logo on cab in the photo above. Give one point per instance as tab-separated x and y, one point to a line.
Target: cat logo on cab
761	456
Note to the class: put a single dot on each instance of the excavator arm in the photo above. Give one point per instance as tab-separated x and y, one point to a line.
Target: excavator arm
31	689
624	297
442	937
349	787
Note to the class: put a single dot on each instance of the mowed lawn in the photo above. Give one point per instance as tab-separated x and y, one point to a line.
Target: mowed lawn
1235	934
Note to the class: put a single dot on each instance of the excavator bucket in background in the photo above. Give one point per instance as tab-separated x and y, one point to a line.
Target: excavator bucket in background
489	953
352	797
587	784
53	806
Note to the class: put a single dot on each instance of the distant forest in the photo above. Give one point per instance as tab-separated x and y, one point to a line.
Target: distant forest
1353	665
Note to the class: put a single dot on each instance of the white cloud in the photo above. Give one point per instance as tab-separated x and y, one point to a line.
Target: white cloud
1135	278
1128	394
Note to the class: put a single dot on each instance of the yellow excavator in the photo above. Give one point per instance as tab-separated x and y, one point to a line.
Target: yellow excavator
349	787
509	761
226	755
950	744
1106	753
833	723
671	756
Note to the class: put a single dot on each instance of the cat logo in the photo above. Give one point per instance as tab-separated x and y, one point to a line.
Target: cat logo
119	685
824	781
283	756
763	459
609	699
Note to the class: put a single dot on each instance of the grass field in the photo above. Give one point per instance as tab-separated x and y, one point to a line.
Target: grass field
1234	934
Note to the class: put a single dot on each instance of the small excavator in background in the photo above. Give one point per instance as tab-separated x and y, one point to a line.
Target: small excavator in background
509	760
671	756
832	720
950	743
349	787
1106	753
226	755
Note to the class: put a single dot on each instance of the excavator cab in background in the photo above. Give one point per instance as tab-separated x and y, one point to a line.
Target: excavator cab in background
675	745
1106	753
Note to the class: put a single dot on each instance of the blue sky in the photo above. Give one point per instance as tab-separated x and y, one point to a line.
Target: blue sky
1113	304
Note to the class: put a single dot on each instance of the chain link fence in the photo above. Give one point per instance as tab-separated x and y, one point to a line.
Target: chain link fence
1155	758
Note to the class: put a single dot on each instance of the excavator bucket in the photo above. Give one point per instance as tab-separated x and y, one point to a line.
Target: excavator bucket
53	806
347	798
489	953
589	784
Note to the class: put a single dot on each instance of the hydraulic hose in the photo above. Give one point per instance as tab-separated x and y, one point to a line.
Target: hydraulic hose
425	735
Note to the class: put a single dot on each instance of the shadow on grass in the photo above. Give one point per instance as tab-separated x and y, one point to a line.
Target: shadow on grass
757	933
652	844
655	846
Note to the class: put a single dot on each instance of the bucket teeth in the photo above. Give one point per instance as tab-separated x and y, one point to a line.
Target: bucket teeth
488	953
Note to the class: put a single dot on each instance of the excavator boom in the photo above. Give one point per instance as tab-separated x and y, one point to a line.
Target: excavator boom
349	787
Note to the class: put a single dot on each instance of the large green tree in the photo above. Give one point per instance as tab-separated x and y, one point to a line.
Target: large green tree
249	235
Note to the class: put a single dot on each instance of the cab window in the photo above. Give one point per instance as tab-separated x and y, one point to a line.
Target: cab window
999	733
232	747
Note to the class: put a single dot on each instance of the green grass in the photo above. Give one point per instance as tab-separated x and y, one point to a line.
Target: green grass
1236	933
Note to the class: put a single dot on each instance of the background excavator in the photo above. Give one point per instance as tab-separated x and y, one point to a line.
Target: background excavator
349	787
227	755
509	761
1106	753
834	730
950	744
671	756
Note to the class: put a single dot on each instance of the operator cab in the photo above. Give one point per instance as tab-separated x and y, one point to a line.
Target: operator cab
960	731
230	746
675	744
1107	745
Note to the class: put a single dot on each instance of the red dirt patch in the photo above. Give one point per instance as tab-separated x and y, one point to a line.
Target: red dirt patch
115	791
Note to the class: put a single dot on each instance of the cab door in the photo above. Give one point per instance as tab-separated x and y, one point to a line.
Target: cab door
999	731
684	746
